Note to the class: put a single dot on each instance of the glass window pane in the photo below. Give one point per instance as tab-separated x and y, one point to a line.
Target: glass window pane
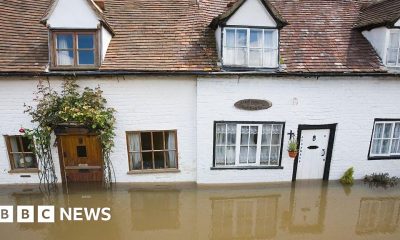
229	56
244	139
27	144
392	56
30	161
159	160
396	132
252	154
86	57
276	134
230	155
243	154
85	41
231	139
274	155
266	137
264	158
253	136
134	142
170	140
230	37
388	130
171	159
65	41
394	40
65	58
220	134
241	56
395	146
378	132
270	58
146	141
220	155
268	39
376	146
256	38
134	160
158	140
147	160
18	160
15	145
385	147
241	38
255	58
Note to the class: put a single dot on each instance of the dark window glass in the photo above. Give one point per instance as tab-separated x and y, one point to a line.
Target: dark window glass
81	151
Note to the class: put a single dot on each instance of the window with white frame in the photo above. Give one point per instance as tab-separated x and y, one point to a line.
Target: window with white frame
250	47
247	144
393	57
385	139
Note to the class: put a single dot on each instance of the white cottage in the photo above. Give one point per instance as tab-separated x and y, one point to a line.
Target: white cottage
209	91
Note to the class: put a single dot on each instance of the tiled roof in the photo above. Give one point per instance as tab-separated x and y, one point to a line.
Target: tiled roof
383	13
174	35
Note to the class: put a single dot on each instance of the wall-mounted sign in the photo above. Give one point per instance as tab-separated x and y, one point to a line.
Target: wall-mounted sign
253	104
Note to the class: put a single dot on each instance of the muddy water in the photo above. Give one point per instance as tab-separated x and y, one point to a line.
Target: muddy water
308	210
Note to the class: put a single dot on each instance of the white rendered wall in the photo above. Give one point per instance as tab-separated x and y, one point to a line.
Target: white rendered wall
105	41
151	103
352	103
379	39
73	14
397	24
252	13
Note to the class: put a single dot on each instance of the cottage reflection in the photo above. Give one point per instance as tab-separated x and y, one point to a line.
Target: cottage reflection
378	215
307	207
155	210
250	217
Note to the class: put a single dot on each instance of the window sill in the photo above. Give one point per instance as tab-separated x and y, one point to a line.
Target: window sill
75	68
29	170
154	171
385	158
230	68
245	168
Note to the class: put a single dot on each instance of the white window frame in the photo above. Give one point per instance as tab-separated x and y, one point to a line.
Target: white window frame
389	154
259	144
388	49
275	33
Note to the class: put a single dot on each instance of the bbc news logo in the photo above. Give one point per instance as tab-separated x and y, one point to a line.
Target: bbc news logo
47	214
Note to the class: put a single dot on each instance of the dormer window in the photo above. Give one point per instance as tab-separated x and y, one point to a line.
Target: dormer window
250	47
393	57
75	49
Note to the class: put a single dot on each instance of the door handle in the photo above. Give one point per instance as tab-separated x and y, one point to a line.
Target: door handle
323	152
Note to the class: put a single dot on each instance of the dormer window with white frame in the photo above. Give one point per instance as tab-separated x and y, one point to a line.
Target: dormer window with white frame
393	50
250	47
247	35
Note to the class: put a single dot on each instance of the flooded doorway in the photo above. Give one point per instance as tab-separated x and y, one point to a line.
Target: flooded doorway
315	151
80	158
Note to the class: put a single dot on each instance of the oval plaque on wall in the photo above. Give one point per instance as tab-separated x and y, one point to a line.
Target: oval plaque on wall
253	104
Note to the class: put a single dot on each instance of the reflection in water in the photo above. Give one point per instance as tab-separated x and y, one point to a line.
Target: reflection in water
305	210
155	210
250	217
378	215
307	207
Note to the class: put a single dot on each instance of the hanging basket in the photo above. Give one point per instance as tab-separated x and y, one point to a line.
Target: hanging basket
292	154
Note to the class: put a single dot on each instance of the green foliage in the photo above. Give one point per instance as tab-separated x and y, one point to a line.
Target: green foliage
72	105
381	179
347	178
292	145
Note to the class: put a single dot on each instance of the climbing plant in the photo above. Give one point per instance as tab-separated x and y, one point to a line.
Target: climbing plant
84	107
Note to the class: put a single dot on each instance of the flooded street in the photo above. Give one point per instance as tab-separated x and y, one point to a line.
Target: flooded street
307	210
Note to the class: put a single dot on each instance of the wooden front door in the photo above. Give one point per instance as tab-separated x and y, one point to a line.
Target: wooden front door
81	158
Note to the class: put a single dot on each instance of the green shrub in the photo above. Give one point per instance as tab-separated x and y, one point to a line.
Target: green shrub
292	145
347	178
381	179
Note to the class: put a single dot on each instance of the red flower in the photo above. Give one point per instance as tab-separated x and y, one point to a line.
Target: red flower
22	130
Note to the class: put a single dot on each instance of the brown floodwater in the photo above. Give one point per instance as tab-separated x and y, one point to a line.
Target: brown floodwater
305	210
